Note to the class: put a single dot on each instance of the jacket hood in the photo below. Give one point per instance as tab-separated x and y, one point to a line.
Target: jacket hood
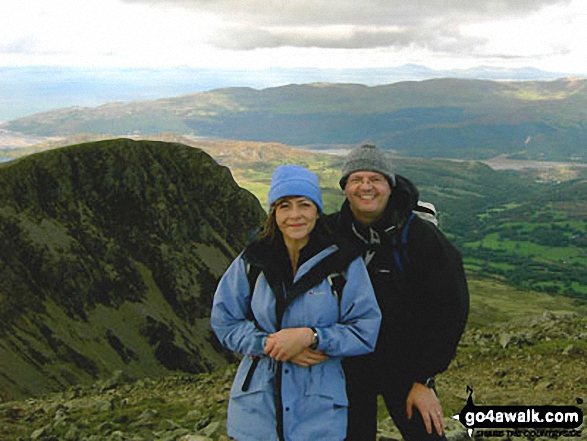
404	196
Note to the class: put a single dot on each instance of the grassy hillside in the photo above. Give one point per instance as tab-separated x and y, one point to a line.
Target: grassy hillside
450	118
110	253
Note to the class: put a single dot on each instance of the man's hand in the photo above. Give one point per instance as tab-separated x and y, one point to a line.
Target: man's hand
425	400
287	343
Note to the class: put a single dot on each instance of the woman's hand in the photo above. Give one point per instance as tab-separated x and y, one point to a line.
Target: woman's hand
287	343
309	357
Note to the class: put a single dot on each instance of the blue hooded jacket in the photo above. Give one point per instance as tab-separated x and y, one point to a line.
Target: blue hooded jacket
303	403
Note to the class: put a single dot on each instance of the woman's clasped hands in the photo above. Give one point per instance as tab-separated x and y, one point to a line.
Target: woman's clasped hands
292	344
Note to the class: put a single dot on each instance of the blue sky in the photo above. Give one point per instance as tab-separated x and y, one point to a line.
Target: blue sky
258	34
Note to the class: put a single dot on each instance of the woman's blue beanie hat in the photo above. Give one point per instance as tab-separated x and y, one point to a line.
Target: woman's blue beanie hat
293	180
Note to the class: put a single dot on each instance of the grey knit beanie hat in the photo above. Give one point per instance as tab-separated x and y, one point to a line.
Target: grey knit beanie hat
367	157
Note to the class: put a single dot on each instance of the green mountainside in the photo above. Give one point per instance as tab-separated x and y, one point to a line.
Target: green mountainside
450	118
110	255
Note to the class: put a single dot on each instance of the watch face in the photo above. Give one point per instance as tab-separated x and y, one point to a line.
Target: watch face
430	382
314	344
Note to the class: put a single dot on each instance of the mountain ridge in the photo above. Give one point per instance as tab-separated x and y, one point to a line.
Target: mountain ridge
64	87
111	252
450	118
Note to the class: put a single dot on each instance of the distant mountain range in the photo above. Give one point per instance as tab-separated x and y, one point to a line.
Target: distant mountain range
110	256
33	89
449	118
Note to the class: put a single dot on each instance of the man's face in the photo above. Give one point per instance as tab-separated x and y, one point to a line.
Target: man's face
368	193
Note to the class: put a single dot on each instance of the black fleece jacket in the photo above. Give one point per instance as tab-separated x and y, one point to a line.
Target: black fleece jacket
424	305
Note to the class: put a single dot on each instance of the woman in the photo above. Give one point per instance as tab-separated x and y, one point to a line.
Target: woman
286	321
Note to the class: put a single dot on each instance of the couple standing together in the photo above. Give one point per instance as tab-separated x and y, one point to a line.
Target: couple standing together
332	311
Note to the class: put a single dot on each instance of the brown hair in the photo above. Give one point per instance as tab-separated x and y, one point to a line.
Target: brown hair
270	224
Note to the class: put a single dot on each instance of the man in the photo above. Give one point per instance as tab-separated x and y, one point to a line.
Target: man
422	292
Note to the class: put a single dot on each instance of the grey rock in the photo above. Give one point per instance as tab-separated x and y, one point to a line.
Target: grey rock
211	429
37	434
196	438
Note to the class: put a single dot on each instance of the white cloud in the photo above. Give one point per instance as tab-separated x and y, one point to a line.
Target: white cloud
96	33
321	33
552	39
365	12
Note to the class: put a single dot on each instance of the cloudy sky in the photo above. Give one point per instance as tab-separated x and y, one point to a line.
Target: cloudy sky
441	34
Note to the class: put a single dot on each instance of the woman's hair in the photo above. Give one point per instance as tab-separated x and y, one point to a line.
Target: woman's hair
270	224
270	230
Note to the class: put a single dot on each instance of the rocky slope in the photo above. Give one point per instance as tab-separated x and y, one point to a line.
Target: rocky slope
534	361
110	255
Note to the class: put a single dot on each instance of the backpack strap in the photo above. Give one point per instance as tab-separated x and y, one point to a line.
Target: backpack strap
399	250
337	282
406	228
253	273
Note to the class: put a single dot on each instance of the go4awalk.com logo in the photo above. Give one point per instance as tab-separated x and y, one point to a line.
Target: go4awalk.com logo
526	421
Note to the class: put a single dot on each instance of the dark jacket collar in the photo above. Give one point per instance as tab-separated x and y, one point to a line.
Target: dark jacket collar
272	258
268	254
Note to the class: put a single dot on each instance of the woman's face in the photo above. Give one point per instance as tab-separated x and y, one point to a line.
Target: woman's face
296	217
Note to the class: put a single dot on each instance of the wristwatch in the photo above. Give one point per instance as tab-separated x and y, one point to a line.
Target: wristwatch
315	340
429	383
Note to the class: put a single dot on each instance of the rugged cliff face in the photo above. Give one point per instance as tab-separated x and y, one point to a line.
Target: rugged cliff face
110	254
